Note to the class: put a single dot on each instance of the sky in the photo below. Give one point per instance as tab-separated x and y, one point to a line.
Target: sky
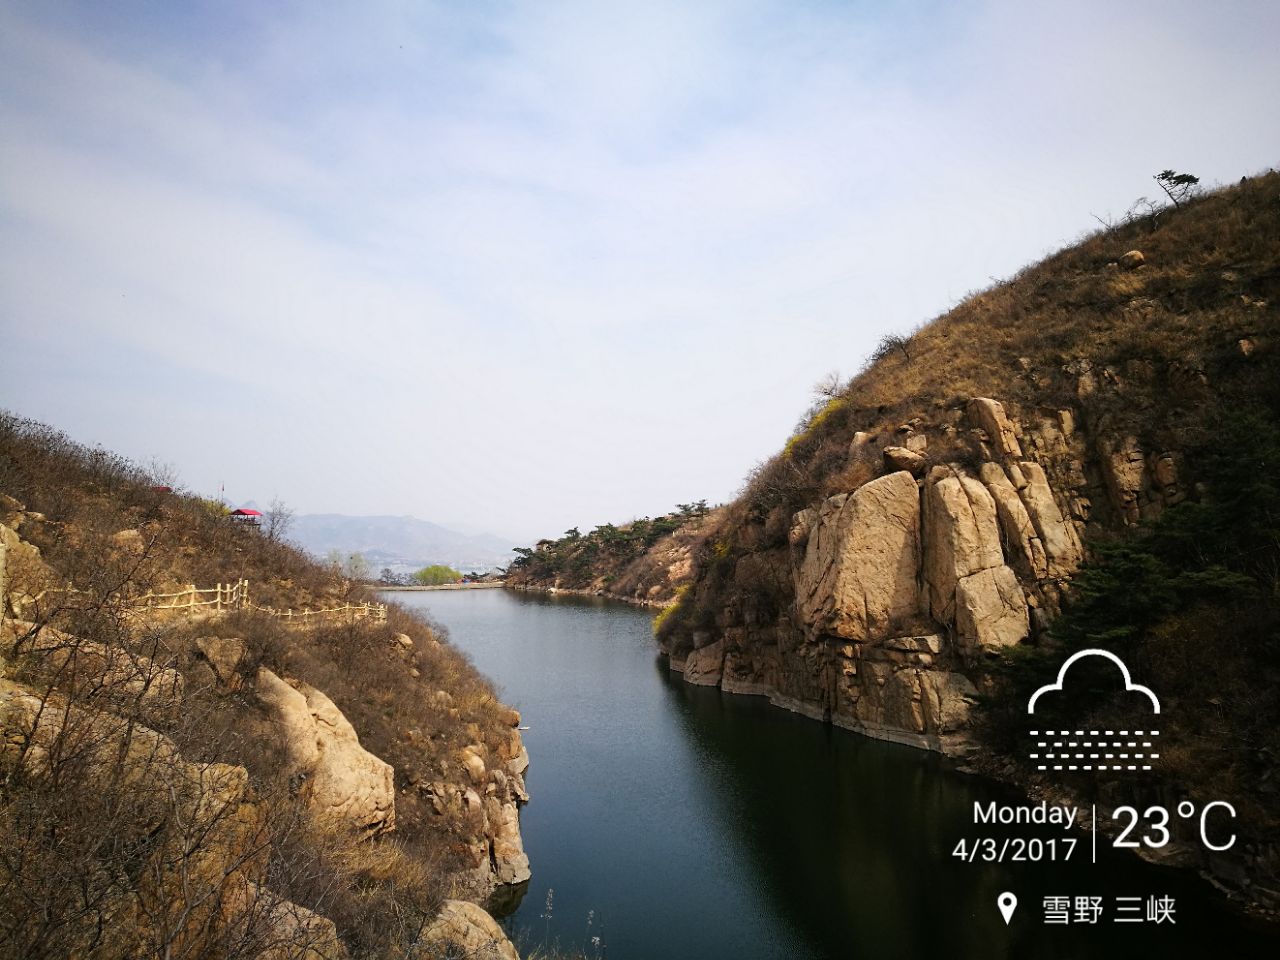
522	267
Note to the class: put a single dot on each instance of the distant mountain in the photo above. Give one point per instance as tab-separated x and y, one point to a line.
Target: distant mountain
401	543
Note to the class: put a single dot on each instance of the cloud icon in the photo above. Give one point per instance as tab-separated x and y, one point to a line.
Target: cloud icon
1129	685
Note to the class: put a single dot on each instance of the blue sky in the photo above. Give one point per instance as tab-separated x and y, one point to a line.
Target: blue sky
529	266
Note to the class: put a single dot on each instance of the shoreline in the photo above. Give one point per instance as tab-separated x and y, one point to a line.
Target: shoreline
441	586
583	592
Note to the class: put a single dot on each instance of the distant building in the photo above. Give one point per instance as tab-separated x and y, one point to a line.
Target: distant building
250	518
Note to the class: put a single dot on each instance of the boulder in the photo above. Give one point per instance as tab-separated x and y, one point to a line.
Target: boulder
1132	260
294	723
199	836
519	763
463	929
129	541
404	641
903	458
344	783
473	763
349	783
961	536
293	932
989	416
858	576
991	611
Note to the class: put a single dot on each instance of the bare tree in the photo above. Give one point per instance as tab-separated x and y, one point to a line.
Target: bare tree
890	344
358	568
830	386
279	520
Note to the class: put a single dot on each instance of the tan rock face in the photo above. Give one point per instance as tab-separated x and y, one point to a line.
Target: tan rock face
1020	534
24	576
947	698
464	929
1062	546
293	931
991	611
1125	470
510	863
989	416
200	831
705	665
344	782
858	576
114	673
961	536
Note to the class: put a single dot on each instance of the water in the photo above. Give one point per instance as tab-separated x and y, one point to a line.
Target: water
694	824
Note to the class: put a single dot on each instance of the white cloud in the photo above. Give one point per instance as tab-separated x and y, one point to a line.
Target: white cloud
560	263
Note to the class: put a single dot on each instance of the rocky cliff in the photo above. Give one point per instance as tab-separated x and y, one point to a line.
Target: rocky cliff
1106	418
903	585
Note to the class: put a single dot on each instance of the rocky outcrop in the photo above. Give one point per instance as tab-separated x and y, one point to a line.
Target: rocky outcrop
342	781
962	536
99	672
24	576
705	665
486	805
857	579
898	589
197	826
463	929
292	932
506	850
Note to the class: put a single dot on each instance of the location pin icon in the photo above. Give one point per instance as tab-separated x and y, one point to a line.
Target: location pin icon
1007	903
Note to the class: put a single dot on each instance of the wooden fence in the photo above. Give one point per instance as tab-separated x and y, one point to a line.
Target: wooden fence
235	596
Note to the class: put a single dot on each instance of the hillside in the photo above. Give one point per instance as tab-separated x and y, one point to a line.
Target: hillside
646	561
401	543
1083	455
227	781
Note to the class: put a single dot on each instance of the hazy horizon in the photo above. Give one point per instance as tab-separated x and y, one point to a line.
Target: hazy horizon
520	269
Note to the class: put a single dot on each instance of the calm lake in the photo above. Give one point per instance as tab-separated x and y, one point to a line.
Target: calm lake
676	822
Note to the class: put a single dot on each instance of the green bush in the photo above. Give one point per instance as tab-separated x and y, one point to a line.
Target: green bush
437	574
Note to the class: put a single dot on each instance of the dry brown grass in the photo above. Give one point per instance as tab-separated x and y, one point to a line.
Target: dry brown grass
1211	277
414	708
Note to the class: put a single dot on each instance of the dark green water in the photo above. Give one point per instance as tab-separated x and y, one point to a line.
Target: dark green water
694	824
